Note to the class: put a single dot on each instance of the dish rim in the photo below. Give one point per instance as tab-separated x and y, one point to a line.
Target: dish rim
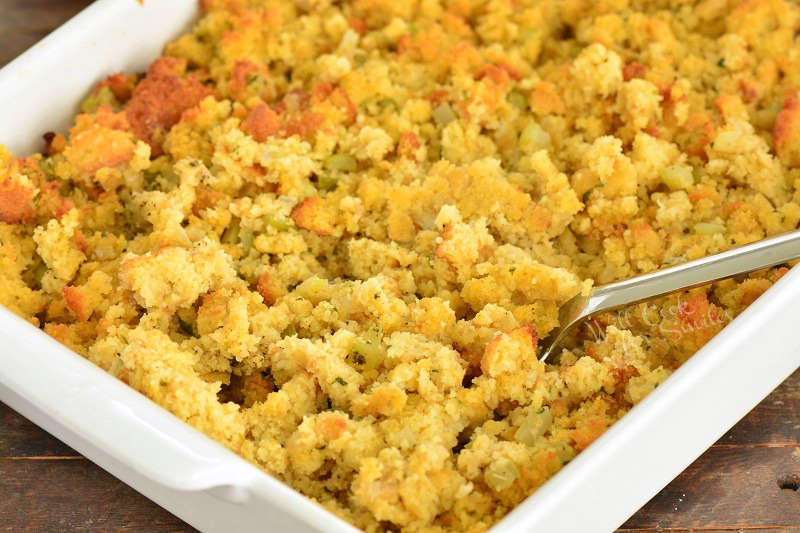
617	457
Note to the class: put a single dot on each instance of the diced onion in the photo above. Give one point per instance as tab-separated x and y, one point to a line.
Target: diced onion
534	426
501	474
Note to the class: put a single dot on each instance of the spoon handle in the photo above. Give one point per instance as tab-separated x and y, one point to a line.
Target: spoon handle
739	260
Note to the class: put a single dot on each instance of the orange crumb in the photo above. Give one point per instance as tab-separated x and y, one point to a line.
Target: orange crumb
160	99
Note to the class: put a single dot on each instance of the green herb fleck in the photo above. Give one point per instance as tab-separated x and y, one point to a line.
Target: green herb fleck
340	381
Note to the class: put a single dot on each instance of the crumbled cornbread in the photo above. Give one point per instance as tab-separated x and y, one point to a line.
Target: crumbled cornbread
330	235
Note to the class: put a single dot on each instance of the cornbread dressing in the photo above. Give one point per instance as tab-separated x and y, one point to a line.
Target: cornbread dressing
330	234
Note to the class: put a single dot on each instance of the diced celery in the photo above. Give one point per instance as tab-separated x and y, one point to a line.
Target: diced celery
327	182
280	223
48	166
387	102
39	273
98	98
246	238
518	100
533	138
443	114
677	177
341	163
708	228
231	233
367	351
314	288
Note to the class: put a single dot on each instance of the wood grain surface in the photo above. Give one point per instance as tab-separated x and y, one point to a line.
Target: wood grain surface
47	486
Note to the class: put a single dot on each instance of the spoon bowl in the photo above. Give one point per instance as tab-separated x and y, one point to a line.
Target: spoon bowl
736	261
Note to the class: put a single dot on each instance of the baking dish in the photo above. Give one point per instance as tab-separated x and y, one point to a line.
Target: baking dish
215	490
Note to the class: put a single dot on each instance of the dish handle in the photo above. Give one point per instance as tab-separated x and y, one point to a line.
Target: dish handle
87	408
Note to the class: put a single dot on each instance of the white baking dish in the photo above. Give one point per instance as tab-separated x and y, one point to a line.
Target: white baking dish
215	490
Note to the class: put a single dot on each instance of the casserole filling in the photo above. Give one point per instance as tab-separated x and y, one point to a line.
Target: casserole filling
329	235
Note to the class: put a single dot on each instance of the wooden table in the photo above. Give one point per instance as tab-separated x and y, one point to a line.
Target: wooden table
46	486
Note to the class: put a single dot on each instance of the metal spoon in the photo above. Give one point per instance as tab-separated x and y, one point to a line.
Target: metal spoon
739	260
